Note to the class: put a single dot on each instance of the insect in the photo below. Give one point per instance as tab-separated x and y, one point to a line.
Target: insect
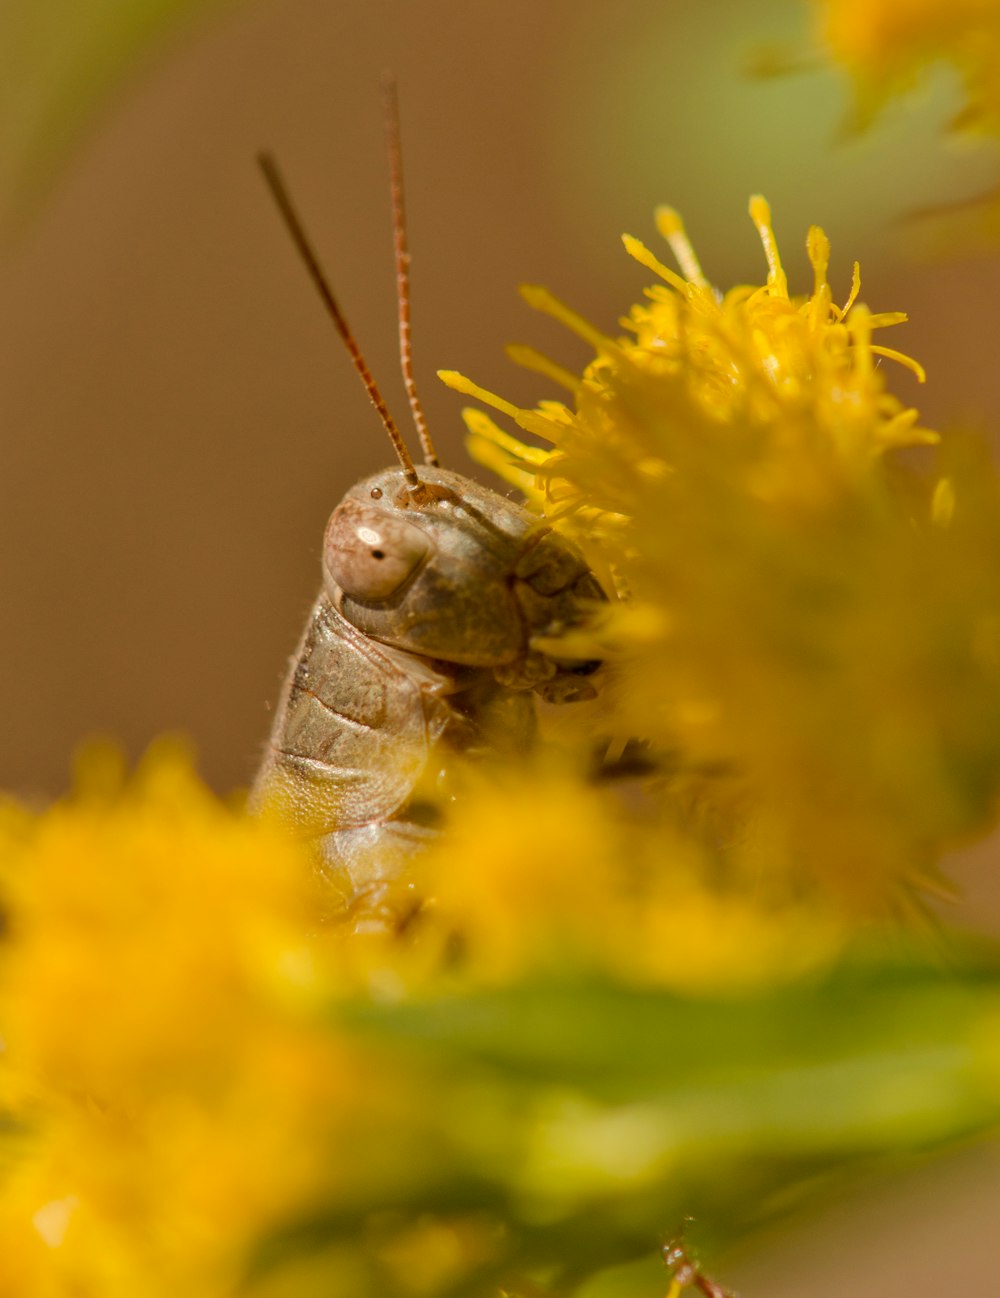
423	640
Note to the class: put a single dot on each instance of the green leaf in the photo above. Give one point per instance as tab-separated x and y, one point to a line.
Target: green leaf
586	1119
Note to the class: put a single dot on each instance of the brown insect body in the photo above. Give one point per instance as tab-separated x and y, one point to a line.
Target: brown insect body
426	638
421	644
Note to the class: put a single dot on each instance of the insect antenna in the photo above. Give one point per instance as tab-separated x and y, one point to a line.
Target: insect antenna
390	96
276	185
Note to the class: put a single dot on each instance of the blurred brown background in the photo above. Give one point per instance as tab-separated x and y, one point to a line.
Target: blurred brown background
178	418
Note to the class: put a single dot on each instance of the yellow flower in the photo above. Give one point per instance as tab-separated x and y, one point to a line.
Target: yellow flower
177	1086
807	618
793	382
171	1091
540	875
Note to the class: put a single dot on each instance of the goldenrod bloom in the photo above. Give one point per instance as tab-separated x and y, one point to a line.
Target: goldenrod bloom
809	620
172	1080
582	1034
170	1094
539	875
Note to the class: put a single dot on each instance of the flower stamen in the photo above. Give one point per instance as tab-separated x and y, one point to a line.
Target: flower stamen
671	227
760	214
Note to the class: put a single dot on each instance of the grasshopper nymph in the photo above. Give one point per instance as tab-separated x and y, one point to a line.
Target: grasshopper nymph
423	638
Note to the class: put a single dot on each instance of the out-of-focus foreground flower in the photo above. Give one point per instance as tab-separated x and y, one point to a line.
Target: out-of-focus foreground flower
203	1093
164	1087
641	983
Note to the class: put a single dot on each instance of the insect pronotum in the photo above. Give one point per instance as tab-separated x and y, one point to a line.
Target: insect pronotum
422	642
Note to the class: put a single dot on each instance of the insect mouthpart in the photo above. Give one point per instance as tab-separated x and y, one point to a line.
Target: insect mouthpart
557	593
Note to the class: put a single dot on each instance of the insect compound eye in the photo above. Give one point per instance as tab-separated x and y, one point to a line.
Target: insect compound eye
370	554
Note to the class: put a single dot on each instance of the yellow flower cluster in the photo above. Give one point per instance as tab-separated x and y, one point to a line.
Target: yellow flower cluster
177	1090
541	873
167	1093
810	640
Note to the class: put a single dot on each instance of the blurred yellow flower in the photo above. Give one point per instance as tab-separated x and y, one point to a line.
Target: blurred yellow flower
174	1082
157	997
539	877
886	44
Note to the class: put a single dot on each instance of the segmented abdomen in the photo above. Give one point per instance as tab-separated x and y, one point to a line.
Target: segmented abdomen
352	733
